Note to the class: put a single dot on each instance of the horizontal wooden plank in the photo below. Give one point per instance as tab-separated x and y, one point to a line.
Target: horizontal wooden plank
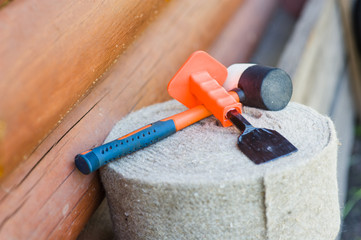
51	53
47	188
73	223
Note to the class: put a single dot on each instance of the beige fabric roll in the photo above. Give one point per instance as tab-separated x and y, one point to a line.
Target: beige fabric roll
197	184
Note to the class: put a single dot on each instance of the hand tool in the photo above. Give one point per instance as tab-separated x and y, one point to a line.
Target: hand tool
201	78
260	93
259	144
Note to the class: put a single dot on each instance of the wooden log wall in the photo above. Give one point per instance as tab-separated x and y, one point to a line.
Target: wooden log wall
51	53
45	196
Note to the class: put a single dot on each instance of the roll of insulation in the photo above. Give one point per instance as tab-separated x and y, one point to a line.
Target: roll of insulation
197	184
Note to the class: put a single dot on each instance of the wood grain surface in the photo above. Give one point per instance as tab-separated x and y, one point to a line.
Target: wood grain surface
51	53
45	196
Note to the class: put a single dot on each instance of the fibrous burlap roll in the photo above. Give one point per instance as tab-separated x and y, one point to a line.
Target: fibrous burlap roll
197	184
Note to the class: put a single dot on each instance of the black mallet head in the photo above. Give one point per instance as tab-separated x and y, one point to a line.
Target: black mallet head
260	86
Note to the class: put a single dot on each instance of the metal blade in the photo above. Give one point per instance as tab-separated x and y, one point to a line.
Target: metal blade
260	144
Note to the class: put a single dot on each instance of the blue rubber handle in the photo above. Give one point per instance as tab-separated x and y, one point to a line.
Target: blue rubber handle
97	157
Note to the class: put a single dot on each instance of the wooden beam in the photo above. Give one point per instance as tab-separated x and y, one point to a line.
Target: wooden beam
51	53
46	195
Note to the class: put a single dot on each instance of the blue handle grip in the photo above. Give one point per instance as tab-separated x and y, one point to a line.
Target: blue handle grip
95	158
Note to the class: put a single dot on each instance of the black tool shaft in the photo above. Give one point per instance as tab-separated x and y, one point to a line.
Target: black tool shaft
239	121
